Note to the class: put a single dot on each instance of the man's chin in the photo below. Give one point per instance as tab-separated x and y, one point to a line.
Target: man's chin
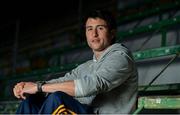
98	49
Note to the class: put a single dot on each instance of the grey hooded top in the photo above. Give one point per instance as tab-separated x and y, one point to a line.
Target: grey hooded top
109	84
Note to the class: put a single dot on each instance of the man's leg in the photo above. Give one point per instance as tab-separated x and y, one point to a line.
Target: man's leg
31	105
62	103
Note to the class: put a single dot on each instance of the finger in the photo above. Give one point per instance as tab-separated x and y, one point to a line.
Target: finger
15	93
22	95
18	84
19	91
21	84
19	88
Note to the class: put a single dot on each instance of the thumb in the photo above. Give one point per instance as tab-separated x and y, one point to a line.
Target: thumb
22	95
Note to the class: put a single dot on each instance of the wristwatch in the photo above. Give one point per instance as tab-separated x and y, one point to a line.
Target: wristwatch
39	85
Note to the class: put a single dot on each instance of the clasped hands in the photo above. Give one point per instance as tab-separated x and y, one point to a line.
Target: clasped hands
22	88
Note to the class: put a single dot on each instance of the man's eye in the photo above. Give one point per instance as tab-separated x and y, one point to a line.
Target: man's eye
101	28
89	29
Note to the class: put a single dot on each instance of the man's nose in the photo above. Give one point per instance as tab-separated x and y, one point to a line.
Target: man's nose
95	33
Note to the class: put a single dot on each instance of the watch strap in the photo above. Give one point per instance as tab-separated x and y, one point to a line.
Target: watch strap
39	85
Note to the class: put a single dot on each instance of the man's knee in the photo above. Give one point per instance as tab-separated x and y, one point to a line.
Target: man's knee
57	93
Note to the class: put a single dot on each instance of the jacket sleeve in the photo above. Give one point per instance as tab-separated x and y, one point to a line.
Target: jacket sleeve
68	76
114	70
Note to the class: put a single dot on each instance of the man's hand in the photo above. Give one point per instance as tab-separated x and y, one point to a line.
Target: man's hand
24	88
18	89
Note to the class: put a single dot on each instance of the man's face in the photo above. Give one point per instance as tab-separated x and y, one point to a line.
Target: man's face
97	34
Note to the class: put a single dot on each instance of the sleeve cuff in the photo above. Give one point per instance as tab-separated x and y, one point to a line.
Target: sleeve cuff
78	88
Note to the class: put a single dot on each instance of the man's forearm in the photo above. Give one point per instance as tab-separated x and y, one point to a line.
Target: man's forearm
67	87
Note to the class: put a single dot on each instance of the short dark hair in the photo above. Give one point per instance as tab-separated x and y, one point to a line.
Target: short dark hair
106	15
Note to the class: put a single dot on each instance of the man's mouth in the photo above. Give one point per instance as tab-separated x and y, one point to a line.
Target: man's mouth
95	40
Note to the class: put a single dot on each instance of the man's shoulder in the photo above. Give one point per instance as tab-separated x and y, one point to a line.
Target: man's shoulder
117	48
120	46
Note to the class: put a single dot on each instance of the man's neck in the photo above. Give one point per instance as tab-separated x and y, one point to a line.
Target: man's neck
99	53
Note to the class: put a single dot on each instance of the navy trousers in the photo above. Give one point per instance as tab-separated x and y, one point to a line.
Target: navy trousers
54	103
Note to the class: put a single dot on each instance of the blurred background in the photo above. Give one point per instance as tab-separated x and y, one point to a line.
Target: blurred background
41	41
